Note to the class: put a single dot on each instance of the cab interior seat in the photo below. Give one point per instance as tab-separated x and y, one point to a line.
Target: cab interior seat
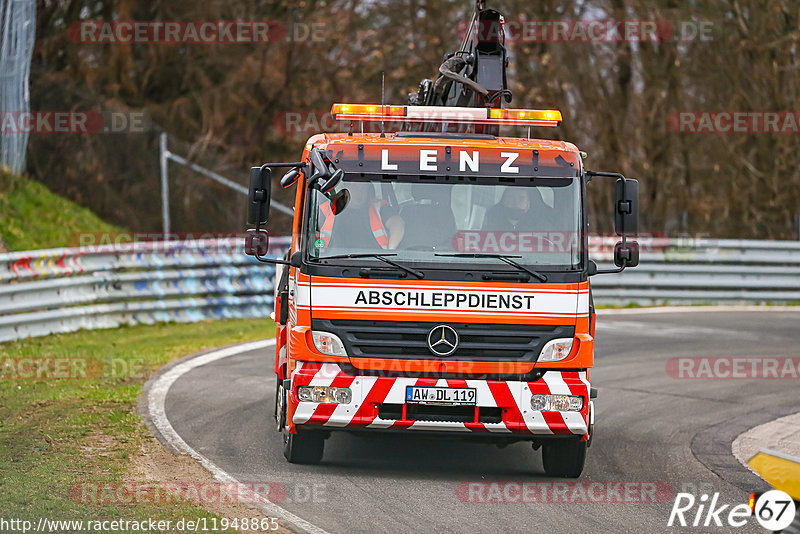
429	219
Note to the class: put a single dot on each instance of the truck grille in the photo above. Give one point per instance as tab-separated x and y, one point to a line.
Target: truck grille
409	340
448	414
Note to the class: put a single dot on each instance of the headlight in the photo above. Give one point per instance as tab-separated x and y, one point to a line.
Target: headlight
556	350
325	394
539	403
328	343
556	403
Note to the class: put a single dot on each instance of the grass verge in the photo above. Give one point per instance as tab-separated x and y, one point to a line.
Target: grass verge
32	217
59	433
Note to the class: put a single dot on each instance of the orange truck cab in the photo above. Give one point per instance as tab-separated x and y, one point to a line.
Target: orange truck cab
438	283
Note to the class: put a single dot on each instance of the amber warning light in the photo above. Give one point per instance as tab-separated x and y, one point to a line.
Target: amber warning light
441	114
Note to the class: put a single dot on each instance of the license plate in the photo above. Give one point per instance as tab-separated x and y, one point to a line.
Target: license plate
437	395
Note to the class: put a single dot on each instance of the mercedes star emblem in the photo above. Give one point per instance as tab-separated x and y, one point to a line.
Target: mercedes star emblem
442	340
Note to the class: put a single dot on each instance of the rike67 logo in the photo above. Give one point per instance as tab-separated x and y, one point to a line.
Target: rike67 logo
774	510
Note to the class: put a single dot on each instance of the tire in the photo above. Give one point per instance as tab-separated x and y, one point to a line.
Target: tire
564	459
279	414
303	447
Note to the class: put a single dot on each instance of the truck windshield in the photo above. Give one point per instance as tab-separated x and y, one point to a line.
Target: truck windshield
416	219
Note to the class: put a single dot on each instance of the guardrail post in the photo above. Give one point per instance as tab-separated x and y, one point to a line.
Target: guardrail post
162	157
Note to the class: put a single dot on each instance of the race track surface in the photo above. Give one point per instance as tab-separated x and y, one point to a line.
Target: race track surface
646	421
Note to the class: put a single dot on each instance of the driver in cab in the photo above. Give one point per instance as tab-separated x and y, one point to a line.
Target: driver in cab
355	219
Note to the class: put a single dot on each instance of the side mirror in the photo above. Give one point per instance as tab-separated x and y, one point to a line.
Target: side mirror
331	182
626	207
297	259
289	178
256	243
258	197
627	254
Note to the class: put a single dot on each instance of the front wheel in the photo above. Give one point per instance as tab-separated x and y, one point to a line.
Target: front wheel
280	407
303	447
564	458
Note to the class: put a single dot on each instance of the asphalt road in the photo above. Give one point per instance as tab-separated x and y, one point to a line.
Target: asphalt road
645	424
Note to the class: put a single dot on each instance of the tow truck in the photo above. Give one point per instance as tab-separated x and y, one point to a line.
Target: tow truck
437	279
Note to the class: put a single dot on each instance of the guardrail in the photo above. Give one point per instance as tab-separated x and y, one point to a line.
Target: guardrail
702	271
62	290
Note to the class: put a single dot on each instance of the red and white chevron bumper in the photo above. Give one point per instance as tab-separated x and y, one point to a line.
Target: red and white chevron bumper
369	392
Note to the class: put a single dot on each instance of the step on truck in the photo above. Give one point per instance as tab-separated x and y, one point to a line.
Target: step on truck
437	278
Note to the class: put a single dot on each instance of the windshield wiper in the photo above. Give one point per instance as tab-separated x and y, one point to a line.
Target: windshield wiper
501	257
381	257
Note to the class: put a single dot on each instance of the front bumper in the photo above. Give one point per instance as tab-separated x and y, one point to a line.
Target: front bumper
508	402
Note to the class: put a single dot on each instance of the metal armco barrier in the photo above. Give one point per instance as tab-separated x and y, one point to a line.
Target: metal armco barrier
62	290
701	271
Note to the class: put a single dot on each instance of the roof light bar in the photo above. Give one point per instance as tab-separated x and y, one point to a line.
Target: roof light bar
442	114
366	111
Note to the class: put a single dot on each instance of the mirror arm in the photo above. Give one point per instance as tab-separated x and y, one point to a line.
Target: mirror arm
294	164
602	174
605	174
617	175
593	270
609	271
262	259
272	261
318	164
